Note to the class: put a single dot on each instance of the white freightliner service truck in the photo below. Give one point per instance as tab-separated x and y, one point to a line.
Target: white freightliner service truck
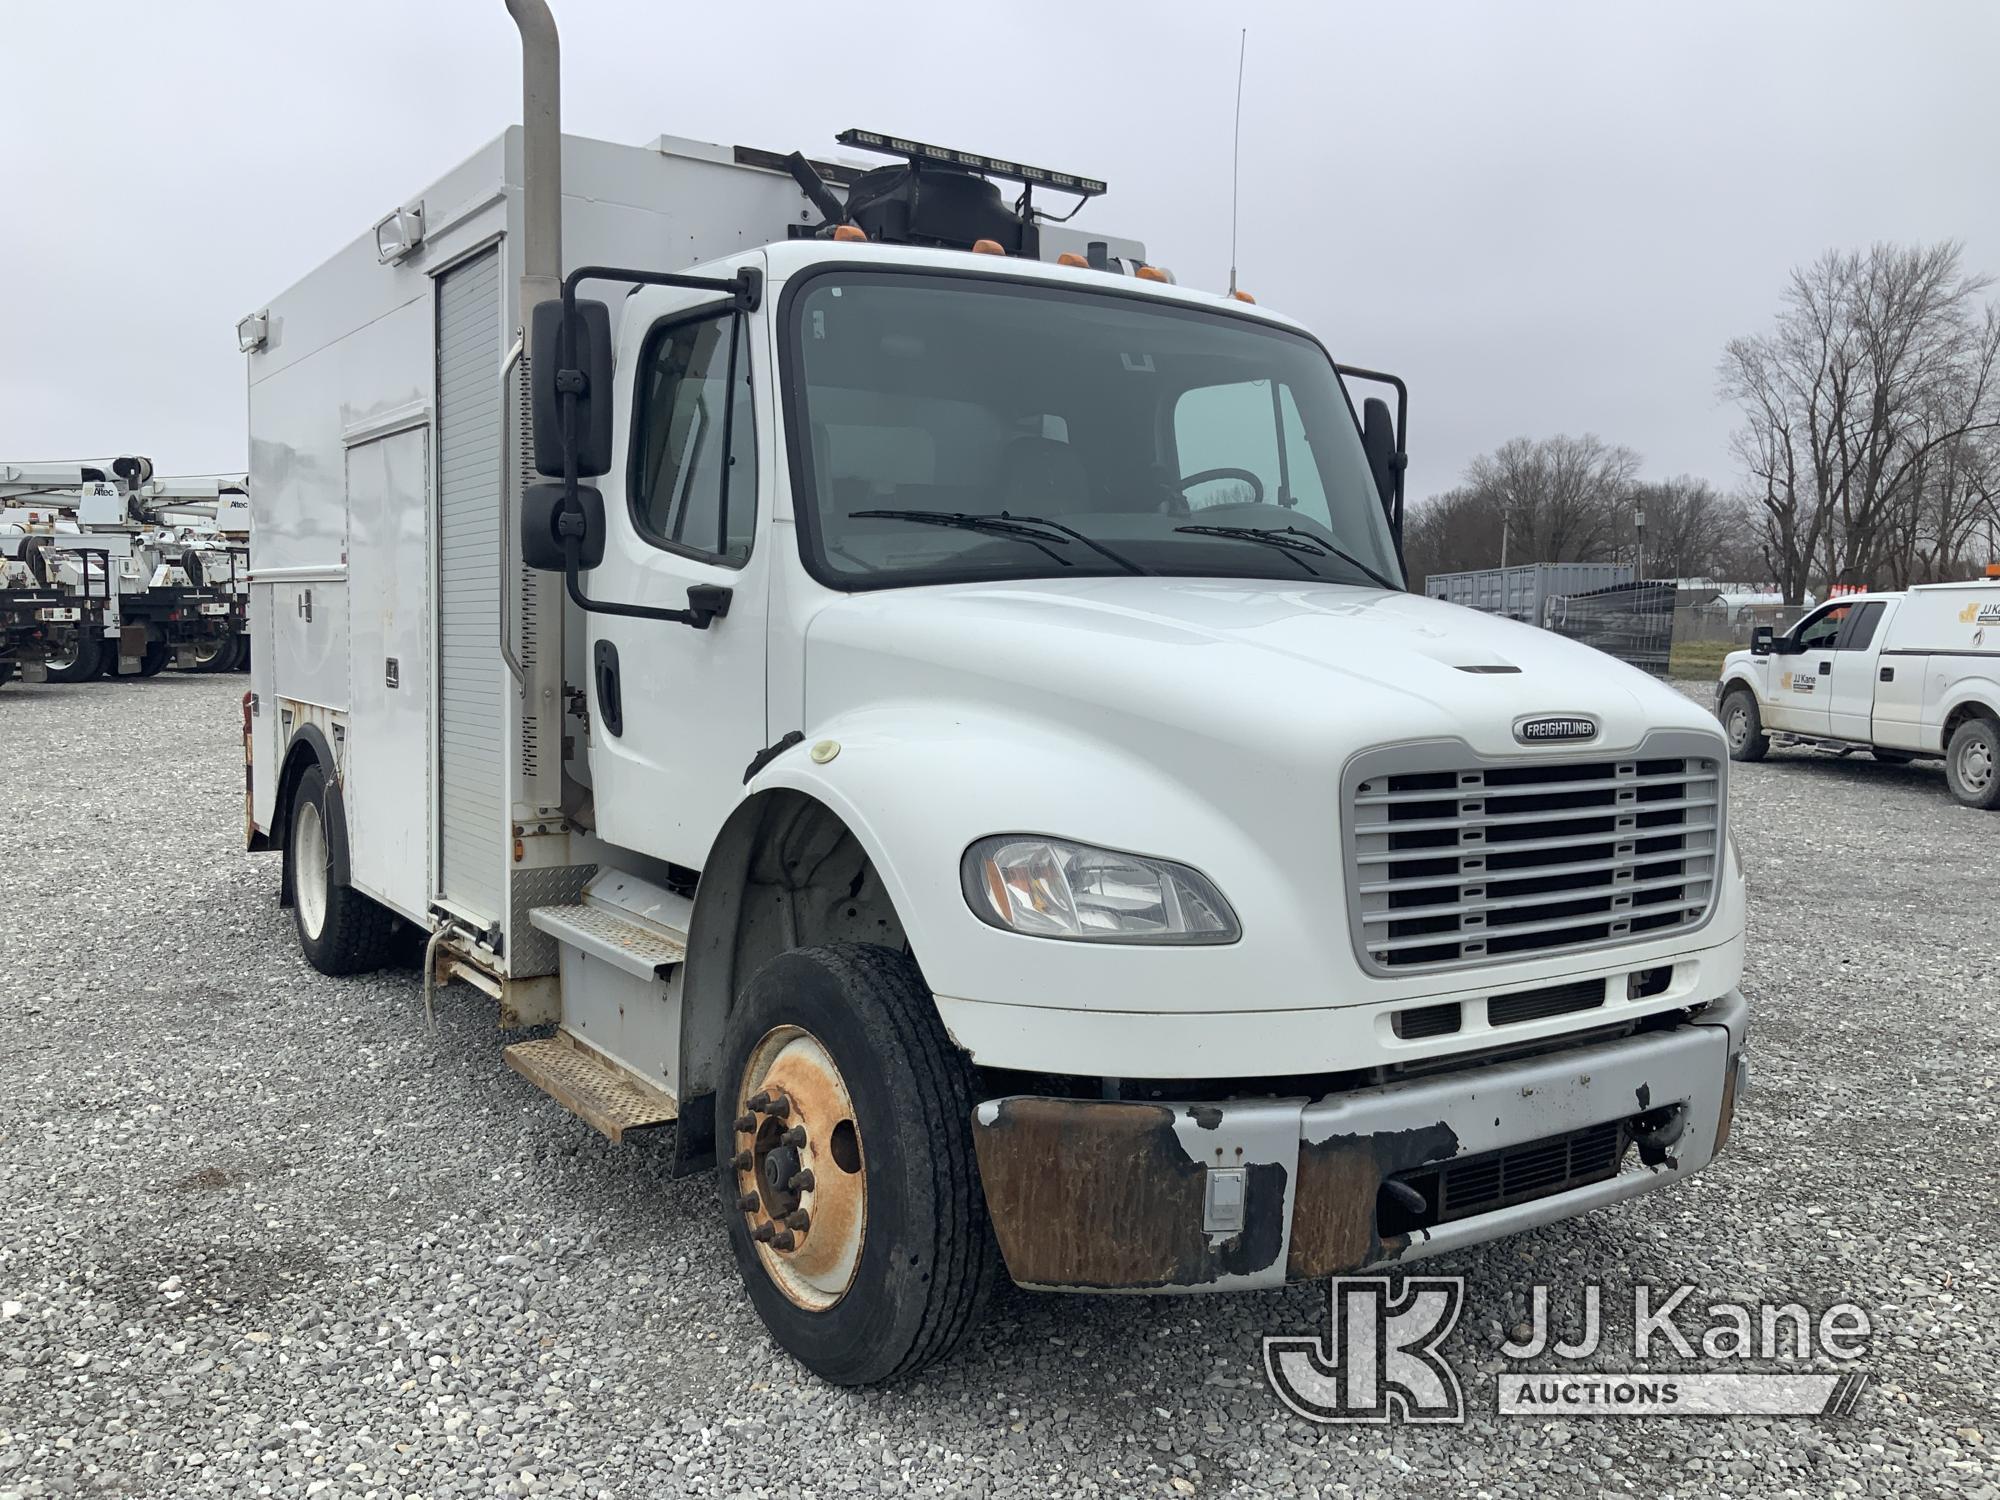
1906	675
947	728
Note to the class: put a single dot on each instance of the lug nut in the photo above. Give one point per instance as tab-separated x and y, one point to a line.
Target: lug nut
796	1136
765	1232
798	1218
780	1105
748	1203
746	1123
741	1161
761	1100
784	1239
802	1182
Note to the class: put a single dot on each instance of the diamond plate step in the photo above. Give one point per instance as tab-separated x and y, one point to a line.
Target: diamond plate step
590	1086
645	952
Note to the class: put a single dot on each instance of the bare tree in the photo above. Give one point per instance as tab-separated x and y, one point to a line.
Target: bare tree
1875	364
1556	499
1693	530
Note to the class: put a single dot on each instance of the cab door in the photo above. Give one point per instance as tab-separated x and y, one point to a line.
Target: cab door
1800	676
676	712
1850	699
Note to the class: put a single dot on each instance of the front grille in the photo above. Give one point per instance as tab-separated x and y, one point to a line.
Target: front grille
1517	1174
1460	865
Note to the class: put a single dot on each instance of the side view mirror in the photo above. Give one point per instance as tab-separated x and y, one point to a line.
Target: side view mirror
1378	441
587	351
1760	641
542	543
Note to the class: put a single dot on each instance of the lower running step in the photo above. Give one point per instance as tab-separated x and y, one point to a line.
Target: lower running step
608	1098
640	949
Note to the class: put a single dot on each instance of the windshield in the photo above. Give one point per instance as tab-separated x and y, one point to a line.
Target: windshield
966	428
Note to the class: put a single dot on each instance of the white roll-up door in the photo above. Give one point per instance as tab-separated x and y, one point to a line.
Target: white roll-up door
472	768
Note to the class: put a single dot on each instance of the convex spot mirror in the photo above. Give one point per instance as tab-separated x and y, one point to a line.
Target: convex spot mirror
587	351
542	542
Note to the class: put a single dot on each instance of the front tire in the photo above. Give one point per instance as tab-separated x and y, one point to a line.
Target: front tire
845	1157
340	930
1743	726
1972	764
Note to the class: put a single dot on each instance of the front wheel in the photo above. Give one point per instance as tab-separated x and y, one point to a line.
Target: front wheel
1743	726
1972	764
844	1143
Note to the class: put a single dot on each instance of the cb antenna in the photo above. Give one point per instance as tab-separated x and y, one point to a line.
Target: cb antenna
1236	155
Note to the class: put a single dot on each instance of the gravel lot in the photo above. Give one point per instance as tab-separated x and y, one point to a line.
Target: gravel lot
265	1234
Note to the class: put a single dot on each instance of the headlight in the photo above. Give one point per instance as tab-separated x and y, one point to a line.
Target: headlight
1053	888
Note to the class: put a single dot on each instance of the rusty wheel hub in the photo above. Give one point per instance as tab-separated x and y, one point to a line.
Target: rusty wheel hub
797	1158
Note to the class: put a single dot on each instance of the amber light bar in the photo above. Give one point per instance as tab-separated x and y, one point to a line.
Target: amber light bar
991	166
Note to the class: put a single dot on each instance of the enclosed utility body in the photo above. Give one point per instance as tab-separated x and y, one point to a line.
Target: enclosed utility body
930	707
1904	675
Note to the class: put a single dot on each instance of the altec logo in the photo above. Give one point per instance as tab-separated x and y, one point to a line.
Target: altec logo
1555	727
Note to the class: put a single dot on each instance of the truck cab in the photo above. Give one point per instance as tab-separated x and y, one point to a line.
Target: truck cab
929	708
1817	680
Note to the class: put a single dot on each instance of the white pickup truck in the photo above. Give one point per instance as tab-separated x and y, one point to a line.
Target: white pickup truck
1901	675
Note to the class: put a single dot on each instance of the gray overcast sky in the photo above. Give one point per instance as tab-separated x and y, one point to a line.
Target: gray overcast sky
1548	217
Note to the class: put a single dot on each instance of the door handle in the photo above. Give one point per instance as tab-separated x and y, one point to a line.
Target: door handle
1888	674
610	707
1825	666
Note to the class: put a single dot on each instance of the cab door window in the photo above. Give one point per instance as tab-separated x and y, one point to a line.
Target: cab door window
1823	629
1249	436
686	495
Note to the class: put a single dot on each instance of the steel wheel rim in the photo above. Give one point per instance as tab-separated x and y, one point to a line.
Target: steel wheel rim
207	651
309	869
1975	765
64	657
1738	726
801	1181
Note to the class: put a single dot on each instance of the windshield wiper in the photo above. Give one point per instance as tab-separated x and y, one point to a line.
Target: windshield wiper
1281	538
1001	523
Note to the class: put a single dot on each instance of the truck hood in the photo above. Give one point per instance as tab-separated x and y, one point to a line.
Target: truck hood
1253	662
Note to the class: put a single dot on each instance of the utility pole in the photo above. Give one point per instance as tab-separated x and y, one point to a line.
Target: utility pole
1639	542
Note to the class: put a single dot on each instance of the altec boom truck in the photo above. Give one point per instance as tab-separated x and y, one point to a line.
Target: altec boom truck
105	568
906	691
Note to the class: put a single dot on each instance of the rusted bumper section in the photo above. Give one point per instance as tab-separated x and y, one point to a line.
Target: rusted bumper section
1100	1195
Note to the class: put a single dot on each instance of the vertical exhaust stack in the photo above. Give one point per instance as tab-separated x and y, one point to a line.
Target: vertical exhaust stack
541	125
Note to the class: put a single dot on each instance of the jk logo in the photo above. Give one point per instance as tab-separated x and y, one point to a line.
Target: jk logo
1380	1356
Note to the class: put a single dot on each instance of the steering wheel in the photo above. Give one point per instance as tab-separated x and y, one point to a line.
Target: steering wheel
1247	476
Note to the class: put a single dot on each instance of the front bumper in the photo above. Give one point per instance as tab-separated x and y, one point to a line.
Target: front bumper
1111	1195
